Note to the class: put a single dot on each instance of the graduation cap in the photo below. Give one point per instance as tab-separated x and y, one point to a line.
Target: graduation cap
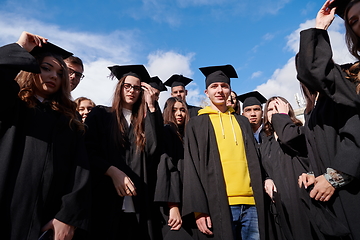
52	48
155	82
177	80
138	71
218	74
340	6
251	98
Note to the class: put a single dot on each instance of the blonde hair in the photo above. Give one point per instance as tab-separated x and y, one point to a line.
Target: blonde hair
80	99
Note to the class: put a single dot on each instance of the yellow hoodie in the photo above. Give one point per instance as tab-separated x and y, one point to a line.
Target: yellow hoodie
232	155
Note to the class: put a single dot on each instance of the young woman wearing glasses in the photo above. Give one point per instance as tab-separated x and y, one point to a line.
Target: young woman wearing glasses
122	141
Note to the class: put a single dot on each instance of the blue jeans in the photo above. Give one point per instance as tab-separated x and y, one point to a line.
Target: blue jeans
245	222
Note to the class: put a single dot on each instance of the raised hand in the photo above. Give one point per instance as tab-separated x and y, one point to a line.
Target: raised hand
28	41
149	95
325	16
281	106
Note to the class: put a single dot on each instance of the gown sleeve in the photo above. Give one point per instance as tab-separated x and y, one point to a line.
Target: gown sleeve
317	70
75	207
347	158
153	128
194	196
289	134
13	58
168	186
93	139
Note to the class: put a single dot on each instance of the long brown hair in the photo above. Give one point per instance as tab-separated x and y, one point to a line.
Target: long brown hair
310	98
59	101
137	117
237	104
268	128
169	117
352	40
353	44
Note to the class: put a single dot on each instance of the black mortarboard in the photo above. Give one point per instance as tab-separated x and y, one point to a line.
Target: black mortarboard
218	74
177	80
251	98
138	71
52	48
340	6
155	82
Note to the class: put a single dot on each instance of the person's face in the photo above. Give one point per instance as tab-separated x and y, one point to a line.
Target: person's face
75	74
231	101
157	93
218	93
179	92
271	110
353	18
49	80
131	89
254	114
179	113
84	108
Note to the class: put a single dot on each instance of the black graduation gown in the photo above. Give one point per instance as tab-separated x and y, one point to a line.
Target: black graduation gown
169	185
43	163
284	160
107	221
333	135
169	181
193	110
204	188
262	135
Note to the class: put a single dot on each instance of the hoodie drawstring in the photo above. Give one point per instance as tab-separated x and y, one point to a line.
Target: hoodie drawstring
221	124
232	126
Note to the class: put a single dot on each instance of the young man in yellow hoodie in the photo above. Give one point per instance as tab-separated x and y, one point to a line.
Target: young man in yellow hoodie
222	174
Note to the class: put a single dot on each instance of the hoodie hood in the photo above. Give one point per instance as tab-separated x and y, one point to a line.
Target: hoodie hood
209	110
219	116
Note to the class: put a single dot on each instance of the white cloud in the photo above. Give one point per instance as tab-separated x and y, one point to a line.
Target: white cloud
256	74
96	85
165	64
268	36
116	47
98	52
283	82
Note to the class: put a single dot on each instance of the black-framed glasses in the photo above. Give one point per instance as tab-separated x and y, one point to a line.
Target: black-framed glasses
78	75
128	87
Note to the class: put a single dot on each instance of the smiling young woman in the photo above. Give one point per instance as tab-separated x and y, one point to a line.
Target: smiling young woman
44	167
168	192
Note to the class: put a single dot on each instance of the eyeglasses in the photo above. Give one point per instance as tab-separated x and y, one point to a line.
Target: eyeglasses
128	87
78	75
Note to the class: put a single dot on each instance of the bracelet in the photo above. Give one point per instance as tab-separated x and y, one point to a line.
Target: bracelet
336	178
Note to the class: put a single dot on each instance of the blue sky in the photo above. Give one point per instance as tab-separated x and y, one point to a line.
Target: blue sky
258	37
